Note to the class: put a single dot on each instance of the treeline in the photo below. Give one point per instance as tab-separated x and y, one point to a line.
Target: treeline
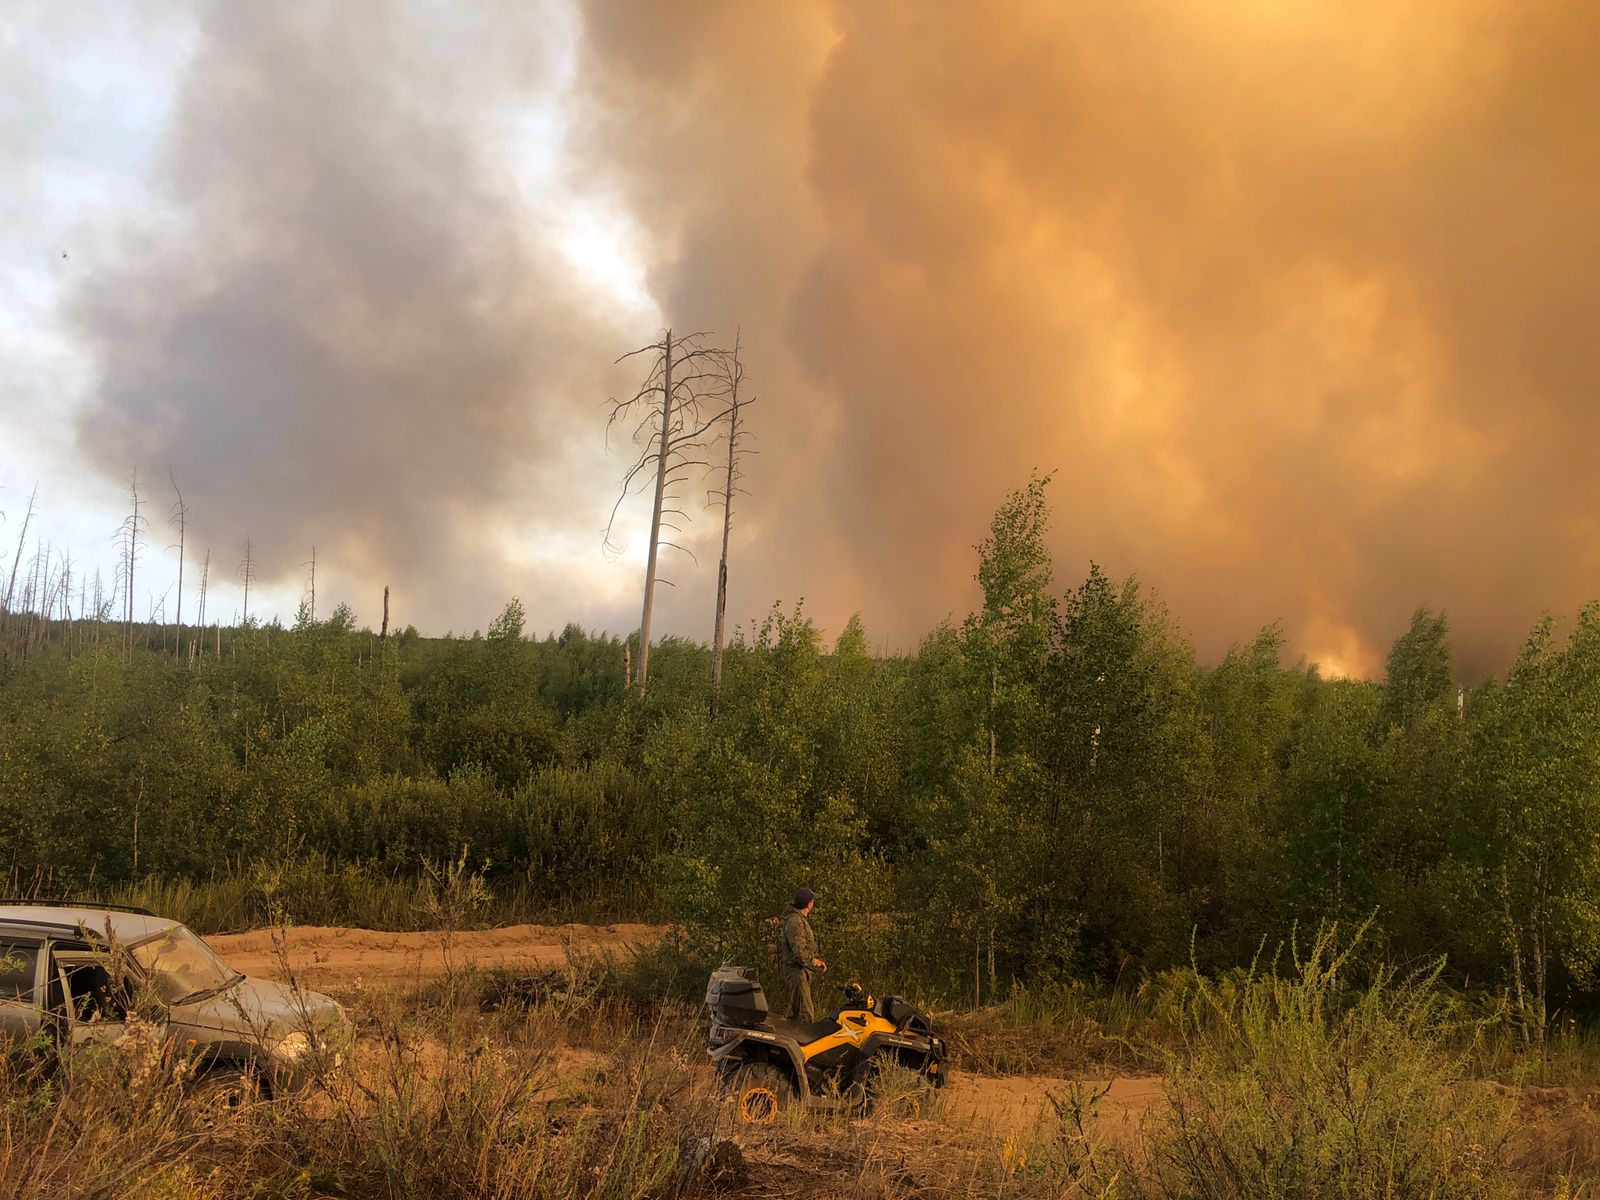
1053	789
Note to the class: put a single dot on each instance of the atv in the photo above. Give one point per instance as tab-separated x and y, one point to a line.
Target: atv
769	1063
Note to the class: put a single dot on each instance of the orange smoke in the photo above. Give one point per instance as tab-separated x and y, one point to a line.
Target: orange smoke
1296	299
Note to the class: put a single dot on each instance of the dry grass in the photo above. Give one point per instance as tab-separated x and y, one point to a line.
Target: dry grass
491	1087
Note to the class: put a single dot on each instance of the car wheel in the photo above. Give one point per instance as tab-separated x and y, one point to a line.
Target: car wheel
223	1091
761	1092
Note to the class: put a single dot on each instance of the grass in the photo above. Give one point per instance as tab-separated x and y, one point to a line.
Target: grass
572	1096
314	891
490	1084
1293	1084
591	1080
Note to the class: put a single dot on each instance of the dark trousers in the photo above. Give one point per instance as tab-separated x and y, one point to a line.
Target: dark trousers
798	981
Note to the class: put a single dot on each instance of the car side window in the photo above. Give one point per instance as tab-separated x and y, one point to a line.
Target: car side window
90	992
19	971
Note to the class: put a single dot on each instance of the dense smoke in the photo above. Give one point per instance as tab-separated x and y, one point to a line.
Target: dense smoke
348	333
1295	300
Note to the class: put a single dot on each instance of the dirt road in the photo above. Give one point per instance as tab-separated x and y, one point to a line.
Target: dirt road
337	960
1021	1104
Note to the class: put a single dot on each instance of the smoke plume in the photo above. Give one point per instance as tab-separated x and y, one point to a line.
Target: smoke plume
346	333
1296	300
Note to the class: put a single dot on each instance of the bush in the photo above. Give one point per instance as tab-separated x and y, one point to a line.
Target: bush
1295	1086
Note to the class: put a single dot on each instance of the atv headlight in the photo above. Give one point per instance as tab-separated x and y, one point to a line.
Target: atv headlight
292	1047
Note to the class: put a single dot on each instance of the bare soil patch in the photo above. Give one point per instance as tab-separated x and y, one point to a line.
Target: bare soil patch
338	959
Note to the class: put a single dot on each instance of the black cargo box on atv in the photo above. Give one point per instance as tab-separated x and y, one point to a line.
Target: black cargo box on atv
734	997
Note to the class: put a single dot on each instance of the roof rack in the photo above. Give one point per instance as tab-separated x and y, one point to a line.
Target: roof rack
35	902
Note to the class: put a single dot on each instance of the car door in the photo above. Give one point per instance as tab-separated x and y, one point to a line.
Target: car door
20	967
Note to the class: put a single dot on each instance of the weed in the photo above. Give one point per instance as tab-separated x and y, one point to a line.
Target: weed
1296	1086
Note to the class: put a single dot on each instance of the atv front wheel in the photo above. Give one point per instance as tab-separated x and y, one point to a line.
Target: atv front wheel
895	1091
761	1092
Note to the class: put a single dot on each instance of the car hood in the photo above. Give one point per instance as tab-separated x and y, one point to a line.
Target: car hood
262	1006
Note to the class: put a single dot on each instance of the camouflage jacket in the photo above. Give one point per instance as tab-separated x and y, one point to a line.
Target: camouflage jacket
798	946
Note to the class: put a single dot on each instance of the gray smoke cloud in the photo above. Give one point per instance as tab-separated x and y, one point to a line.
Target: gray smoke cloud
349	330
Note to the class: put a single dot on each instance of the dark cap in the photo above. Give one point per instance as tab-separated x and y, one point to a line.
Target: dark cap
804	897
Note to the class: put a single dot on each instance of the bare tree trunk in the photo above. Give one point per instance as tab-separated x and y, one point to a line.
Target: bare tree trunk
247	568
383	635
130	562
66	605
977	965
99	608
1513	943
22	539
655	519
736	375
200	623
667	438
180	513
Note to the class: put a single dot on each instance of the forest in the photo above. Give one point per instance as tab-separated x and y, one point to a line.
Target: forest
1052	789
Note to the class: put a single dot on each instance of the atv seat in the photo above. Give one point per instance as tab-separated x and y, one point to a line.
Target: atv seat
893	1008
800	1031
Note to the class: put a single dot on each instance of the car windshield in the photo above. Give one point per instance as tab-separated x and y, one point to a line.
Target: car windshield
181	966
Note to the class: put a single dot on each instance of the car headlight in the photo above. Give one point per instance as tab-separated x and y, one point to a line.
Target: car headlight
292	1047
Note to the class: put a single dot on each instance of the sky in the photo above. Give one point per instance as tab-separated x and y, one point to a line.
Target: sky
1295	300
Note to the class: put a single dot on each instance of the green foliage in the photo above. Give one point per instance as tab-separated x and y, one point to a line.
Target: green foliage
770	796
1529	841
1420	676
1050	791
1295	1085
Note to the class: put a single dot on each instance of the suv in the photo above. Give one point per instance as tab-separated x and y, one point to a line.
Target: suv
75	972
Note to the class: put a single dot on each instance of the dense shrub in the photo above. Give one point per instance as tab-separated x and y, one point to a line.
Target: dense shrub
1296	1085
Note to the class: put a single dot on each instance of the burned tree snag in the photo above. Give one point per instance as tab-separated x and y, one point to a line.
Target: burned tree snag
180	518
736	403
668	415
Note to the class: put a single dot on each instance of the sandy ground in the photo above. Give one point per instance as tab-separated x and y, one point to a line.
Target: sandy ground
1022	1104
343	959
1557	1124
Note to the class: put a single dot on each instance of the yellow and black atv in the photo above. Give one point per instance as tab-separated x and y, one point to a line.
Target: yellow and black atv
769	1063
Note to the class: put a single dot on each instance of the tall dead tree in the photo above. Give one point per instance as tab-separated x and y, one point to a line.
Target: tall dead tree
101	607
180	518
667	419
205	578
730	488
16	561
247	572
130	533
311	587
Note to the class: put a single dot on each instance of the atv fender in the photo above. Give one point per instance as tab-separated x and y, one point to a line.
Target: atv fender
742	1049
886	1043
906	1049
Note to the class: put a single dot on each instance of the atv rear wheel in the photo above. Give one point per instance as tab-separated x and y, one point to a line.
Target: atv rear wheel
761	1092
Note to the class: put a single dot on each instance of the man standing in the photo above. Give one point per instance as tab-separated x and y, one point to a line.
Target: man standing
797	955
